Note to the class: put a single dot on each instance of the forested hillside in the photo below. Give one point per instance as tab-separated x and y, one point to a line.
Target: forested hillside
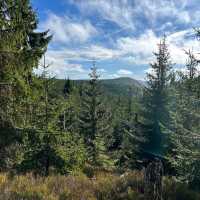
94	139
111	87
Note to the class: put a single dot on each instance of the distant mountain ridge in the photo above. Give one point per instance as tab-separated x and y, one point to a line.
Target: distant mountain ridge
118	86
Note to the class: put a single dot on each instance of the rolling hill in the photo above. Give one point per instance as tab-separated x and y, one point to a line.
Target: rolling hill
111	87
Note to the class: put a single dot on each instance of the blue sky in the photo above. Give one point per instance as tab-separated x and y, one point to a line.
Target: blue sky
121	35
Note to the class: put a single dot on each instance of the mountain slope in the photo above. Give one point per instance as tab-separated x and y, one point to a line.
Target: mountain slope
113	87
121	86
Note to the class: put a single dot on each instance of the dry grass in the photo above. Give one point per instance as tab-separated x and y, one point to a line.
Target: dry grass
104	186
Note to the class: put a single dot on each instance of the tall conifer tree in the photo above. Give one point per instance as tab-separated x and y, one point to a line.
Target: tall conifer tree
93	119
156	102
186	137
21	48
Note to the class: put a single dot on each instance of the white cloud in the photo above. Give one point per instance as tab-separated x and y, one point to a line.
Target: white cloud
99	52
61	68
124	72
117	11
129	13
181	41
139	49
130	50
155	10
85	53
65	29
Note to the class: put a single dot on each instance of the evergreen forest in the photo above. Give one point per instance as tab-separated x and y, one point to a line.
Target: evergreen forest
94	139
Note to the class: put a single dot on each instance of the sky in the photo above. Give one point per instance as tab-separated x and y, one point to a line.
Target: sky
120	35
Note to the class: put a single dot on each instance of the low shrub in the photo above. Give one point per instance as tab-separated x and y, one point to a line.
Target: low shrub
103	185
176	190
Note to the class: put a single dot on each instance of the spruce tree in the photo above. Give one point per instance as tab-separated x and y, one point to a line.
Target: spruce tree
186	137
20	51
69	117
131	137
156	103
68	87
94	120
21	48
46	146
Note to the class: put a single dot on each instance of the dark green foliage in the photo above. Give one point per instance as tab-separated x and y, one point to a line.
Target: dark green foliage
67	88
46	146
93	119
21	47
20	51
128	140
54	152
69	118
156	102
185	158
127	135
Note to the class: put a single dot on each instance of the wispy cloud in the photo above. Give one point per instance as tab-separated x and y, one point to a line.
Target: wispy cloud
130	50
139	50
133	13
116	11
66	30
122	32
156	10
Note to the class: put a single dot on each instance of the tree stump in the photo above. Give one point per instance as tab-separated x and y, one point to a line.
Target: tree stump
153	180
